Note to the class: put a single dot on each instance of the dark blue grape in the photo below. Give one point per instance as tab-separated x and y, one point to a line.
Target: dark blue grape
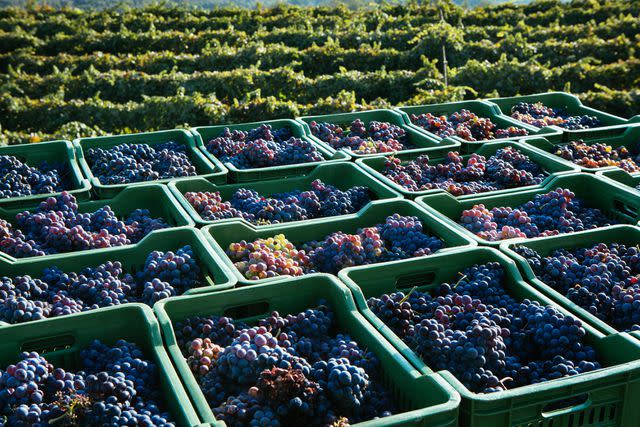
126	163
262	147
20	179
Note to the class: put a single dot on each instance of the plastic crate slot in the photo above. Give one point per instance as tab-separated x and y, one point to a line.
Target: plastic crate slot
247	310
607	413
411	280
401	398
564	404
569	136
623	209
49	344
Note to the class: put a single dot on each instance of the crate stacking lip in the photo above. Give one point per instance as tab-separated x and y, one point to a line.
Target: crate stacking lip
418	140
154	197
53	152
61	339
481	108
205	167
425	400
215	275
221	235
571	104
341	175
615	200
203	134
615	136
605	397
623	234
550	165
621	177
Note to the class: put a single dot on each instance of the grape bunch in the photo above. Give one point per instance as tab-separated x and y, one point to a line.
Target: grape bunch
262	147
598	155
539	115
116	386
321	200
56	226
285	371
486	338
466	125
507	168
376	137
20	179
548	214
126	163
399	237
59	293
604	279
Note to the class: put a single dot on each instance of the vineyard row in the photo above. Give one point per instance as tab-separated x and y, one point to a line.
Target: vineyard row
508	77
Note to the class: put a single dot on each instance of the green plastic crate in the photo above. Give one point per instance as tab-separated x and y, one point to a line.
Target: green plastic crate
610	392
205	167
552	166
221	235
615	136
623	234
216	276
61	340
204	134
417	139
341	175
566	101
154	197
622	177
614	200
424	400
52	152
481	108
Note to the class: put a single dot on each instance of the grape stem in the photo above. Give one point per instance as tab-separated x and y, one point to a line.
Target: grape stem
406	297
464	276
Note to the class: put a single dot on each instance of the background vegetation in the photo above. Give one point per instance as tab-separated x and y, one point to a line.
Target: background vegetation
68	72
211	4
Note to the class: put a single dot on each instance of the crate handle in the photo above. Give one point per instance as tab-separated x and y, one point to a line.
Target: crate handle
566	406
49	344
243	311
625	209
418	279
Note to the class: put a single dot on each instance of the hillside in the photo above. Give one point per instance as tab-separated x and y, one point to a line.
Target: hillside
65	73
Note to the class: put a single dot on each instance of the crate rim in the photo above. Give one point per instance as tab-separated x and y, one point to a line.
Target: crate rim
591	237
9	267
180	215
81	193
275	229
479	198
574	101
328	154
199	221
157	348
540	388
170	344
591	138
471	104
366	165
437	143
210	168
